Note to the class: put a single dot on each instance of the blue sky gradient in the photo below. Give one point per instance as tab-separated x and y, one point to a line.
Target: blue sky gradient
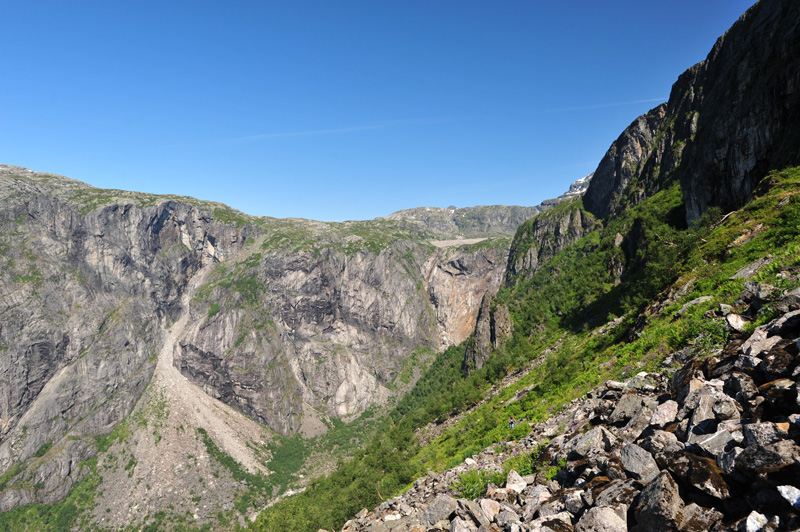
338	110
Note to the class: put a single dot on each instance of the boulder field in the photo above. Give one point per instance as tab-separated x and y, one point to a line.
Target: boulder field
711	442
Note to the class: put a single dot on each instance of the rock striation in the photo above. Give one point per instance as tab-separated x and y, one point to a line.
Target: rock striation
327	333
83	299
707	444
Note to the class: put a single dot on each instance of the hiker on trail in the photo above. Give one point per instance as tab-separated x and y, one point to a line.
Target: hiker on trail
511	422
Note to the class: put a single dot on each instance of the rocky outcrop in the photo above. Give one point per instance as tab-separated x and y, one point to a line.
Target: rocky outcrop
492	327
623	163
536	242
729	120
575	190
457	283
746	100
708	444
540	239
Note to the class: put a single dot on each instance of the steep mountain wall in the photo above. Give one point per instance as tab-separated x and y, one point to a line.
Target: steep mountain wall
537	241
729	119
540	239
327	329
293	320
83	297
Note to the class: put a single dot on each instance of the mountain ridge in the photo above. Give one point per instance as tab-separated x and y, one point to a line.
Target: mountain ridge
484	220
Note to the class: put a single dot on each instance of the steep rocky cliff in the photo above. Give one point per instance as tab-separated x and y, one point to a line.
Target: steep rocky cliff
536	242
729	119
326	330
84	295
292	322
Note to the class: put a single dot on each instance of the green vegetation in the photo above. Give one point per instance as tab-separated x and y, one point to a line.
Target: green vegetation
526	235
258	485
119	434
527	463
9	475
473	483
41	451
562	307
288	456
352	237
87	199
229	216
66	515
420	358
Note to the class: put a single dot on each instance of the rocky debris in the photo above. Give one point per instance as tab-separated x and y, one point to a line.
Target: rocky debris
720	451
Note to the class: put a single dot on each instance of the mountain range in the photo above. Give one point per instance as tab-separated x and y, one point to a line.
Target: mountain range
169	363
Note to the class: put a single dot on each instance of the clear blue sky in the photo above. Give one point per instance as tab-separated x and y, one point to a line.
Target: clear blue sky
335	110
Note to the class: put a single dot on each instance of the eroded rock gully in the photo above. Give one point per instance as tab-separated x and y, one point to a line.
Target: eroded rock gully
83	296
163	462
708	444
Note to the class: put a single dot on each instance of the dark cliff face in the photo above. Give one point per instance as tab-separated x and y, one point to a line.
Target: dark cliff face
622	163
729	119
747	98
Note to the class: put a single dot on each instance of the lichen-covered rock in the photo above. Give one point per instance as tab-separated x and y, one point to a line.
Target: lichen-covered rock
597	438
659	505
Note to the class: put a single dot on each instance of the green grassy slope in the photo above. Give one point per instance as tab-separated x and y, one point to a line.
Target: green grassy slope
596	324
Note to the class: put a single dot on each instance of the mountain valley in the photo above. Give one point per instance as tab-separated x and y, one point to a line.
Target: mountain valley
171	363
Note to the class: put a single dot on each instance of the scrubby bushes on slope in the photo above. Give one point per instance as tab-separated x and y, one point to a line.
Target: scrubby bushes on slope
561	307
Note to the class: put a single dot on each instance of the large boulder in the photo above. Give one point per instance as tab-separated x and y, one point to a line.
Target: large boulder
659	505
